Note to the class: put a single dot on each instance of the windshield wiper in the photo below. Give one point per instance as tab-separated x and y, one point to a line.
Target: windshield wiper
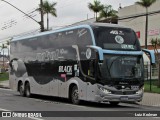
114	60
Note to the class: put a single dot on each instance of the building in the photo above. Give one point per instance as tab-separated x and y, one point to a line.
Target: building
134	17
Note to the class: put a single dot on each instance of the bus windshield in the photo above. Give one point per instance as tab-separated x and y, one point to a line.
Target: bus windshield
125	67
114	38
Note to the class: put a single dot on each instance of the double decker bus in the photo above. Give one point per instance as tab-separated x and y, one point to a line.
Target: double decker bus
94	62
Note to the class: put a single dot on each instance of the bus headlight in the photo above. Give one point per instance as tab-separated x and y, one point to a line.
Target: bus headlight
141	90
104	90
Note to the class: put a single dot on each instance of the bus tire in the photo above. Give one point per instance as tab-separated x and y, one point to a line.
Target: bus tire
114	103
27	90
21	90
75	96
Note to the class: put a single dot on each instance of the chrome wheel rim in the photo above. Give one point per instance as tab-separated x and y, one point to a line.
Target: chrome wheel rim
75	96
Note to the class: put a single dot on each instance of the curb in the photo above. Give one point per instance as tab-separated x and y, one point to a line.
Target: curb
5	87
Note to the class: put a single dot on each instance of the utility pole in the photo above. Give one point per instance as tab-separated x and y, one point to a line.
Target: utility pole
41	23
3	53
42	20
146	29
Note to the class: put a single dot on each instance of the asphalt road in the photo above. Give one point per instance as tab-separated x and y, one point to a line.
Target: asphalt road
12	101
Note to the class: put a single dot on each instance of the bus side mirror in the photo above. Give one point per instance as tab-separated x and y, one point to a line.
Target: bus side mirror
151	54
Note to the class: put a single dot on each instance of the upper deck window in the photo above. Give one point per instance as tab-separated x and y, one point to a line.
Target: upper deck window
115	38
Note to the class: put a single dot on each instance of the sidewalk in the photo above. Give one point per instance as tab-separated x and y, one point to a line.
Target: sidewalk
149	99
4	84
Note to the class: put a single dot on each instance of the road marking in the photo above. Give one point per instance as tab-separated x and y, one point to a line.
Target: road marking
157	105
4	109
34	118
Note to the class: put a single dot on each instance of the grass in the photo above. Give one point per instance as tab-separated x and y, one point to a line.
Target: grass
154	88
4	76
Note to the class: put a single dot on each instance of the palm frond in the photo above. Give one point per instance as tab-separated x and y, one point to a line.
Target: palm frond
96	6
145	3
48	8
108	12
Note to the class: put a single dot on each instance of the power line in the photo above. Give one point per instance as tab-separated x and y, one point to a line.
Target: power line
20	11
13	22
33	14
63	6
139	15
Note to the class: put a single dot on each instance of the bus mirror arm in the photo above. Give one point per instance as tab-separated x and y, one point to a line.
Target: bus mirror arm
151	54
99	50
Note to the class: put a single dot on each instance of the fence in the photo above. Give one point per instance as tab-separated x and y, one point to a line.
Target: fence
150	69
151	77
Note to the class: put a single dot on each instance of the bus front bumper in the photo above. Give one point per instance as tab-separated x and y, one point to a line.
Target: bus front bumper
119	98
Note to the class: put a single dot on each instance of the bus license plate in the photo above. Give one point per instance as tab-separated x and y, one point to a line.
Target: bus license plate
124	98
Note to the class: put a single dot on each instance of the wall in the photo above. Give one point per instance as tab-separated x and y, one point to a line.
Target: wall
138	24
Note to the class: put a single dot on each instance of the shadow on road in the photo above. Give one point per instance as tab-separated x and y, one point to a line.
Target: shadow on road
59	100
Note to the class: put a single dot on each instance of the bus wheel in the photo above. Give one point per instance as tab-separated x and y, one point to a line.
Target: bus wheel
21	89
27	90
114	103
75	95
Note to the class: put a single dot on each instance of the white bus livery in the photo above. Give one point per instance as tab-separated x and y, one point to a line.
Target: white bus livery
93	62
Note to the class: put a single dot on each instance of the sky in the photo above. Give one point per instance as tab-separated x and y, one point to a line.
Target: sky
13	22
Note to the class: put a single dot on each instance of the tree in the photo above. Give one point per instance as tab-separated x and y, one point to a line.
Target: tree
146	4
95	7
155	43
108	12
7	45
2	48
48	8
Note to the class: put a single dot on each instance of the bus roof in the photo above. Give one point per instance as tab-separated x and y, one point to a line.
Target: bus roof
71	27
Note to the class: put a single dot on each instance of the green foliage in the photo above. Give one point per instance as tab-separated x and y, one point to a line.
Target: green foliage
108	12
3	46
96	7
145	3
8	43
4	76
155	41
154	87
48	8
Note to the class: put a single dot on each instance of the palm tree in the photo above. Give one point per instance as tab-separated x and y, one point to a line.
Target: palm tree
146	4
108	12
2	48
7	45
95	7
49	8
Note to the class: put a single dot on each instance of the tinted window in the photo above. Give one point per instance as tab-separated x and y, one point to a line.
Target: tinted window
116	38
